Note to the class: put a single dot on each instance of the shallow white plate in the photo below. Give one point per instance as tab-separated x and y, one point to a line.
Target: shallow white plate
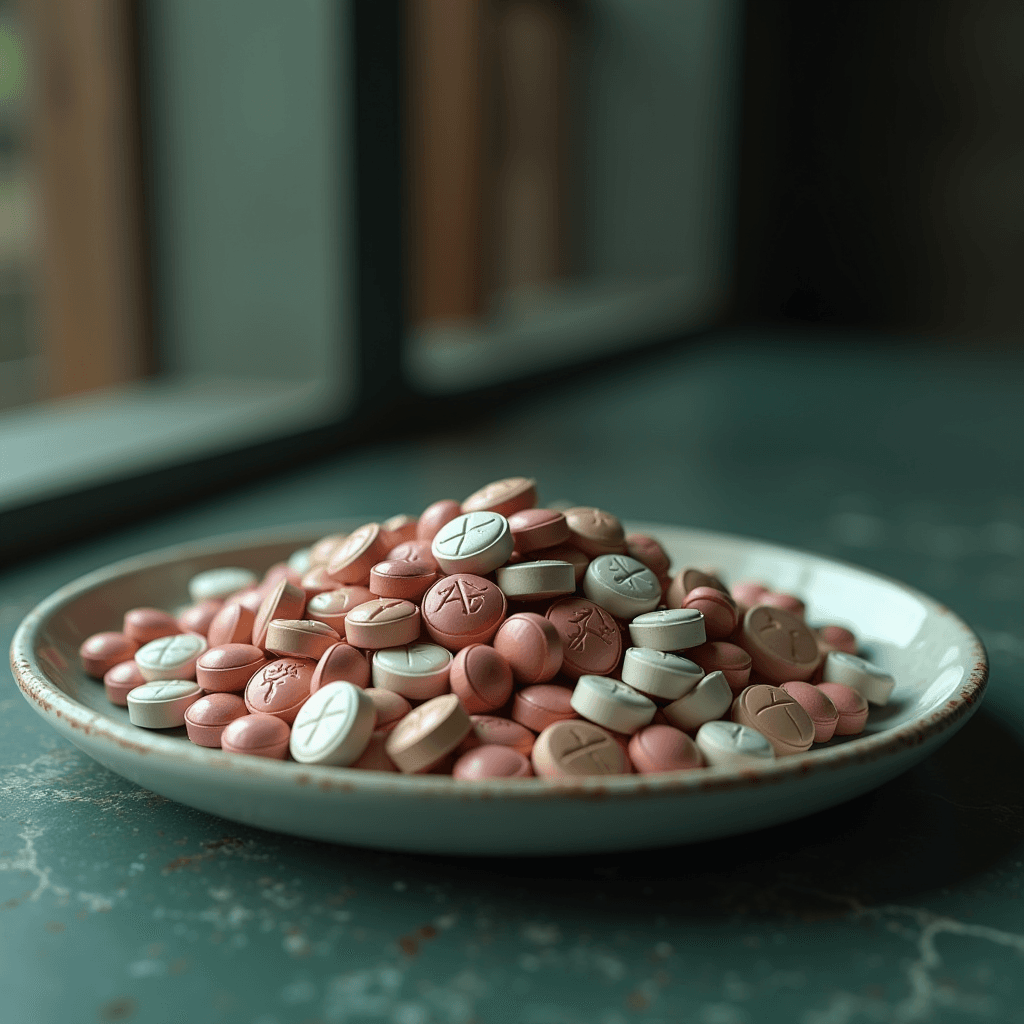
939	664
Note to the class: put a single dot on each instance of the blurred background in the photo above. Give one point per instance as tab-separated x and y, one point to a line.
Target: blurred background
227	224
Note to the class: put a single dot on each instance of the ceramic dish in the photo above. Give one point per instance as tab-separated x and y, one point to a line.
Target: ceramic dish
939	664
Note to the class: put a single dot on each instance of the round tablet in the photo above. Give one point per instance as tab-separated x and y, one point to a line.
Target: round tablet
720	656
425	735
119	680
532	647
333	726
708	700
660	673
612	704
821	711
668	629
250	598
352	560
591	641
837	638
492	761
649	551
228	667
231	625
718	608
513	494
787	602
257	735
433	517
320	553
219	583
463	609
502	731
872	682
663	748
102	651
776	715
534	529
391	708
539	706
375	757
748	592
417	671
280	688
574	749
536	581
316	581
622	585
476	542
277	572
298	561
283	601
731	745
197	618
416	551
341	663
144	624
162	704
300	638
481	678
206	718
564	553
332	606
851	706
171	657
594	531
400	577
781	646
689	579
382	622
398	529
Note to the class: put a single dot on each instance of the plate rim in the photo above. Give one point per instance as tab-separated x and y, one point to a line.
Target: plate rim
70	717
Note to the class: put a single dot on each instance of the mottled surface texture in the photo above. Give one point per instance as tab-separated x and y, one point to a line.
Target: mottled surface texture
903	905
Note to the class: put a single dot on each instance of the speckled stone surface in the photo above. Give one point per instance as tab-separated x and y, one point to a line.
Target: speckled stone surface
903	905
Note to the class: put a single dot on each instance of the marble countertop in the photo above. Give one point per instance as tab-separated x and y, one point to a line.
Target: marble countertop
902	905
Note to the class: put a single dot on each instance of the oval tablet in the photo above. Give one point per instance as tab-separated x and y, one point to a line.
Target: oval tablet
622	585
539	706
231	625
284	601
729	659
256	735
144	624
401	577
492	762
591	641
416	671
206	719
531	646
708	700
612	704
481	678
353	559
300	638
333	726
577	749
513	494
425	735
731	745
341	663
391	708
171	657
228	667
382	622
476	542
463	609
119	680
663	748
781	646
534	529
851	706
332	606
219	583
280	688
668	629
777	716
837	638
870	681
162	704
536	581
197	618
102	651
660	673
821	711
502	731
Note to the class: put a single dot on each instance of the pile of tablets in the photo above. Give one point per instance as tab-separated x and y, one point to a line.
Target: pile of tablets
489	638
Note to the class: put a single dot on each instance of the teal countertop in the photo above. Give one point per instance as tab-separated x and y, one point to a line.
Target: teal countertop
902	905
